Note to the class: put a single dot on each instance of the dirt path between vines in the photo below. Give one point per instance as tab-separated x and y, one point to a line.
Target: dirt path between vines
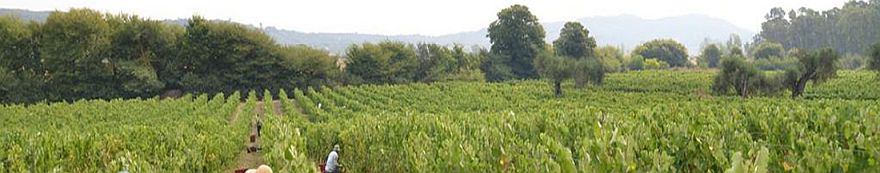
248	160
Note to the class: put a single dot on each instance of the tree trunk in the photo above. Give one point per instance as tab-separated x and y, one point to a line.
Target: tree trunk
744	88
801	85
558	87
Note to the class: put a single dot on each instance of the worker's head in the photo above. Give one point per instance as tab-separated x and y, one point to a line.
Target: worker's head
336	147
264	169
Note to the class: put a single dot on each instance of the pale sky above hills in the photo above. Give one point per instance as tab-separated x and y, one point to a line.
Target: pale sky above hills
434	17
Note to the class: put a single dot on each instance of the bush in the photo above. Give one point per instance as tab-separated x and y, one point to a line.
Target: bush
611	57
635	62
670	51
588	70
766	50
654	64
775	63
743	78
852	62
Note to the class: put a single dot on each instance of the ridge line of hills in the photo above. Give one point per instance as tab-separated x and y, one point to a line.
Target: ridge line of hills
624	31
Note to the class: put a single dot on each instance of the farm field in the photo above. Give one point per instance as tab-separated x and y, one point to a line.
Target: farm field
672	125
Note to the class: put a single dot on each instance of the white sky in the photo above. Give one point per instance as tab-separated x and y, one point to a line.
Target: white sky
426	17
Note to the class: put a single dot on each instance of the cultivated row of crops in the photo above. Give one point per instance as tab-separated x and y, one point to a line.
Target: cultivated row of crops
522	127
637	122
848	85
151	135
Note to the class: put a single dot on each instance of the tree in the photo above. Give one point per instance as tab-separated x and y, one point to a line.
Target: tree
776	27
817	66
435	61
587	70
742	77
218	56
74	48
517	38
137	49
710	56
554	68
874	62
574	41
612	58
635	62
385	62
667	50
848	30
734	41
768	49
735	51
308	67
20	66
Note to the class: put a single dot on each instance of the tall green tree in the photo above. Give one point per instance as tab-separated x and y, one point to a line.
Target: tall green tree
574	41
308	67
74	48
385	62
815	65
710	56
849	29
221	56
137	49
517	38
776	27
20	66
666	50
435	62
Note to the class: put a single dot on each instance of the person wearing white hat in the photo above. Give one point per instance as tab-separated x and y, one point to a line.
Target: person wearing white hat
261	169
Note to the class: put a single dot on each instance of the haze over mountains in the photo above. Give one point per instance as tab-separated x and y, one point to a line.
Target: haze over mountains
625	31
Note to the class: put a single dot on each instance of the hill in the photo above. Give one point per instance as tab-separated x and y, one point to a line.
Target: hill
623	30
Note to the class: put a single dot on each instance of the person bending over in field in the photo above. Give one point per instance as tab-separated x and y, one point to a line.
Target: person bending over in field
332	164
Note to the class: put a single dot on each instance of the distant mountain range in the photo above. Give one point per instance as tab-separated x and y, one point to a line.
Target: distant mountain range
625	31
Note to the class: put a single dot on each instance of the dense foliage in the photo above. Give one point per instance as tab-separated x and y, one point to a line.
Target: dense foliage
768	49
742	77
815	65
517	39
850	29
874	60
666	50
574	41
386	62
83	54
710	56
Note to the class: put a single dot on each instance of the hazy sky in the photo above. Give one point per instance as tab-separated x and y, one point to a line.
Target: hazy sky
434	17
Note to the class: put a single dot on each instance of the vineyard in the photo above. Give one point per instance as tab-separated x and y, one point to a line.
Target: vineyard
648	121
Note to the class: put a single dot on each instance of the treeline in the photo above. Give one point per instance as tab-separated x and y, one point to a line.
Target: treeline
519	52
84	54
800	47
848	30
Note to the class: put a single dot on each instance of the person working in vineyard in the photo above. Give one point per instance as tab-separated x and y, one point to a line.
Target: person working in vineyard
259	126
332	164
